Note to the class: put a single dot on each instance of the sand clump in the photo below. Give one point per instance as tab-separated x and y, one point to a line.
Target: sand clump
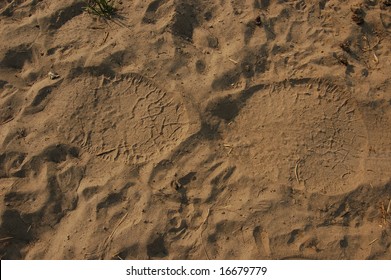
195	130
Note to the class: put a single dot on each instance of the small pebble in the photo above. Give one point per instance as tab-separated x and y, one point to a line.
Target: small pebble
53	75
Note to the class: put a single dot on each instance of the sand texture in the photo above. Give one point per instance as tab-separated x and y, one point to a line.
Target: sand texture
196	129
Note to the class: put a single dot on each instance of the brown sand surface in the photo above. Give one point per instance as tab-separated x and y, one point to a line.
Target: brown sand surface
196	129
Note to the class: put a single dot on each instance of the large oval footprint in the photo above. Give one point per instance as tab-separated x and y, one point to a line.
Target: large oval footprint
306	132
126	118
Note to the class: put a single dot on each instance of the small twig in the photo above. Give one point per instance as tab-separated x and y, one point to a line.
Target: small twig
376	59
202	230
104	40
110	237
233	61
105	152
6	238
107	240
373	241
297	172
116	227
7	121
389	207
228	146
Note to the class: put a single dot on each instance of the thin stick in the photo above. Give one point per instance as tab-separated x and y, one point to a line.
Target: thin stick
116	227
376	59
202	230
106	242
373	241
389	207
105	152
296	172
107	35
233	61
110	237
7	121
6	238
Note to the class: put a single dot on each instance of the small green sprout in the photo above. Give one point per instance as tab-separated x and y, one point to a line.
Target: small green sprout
102	8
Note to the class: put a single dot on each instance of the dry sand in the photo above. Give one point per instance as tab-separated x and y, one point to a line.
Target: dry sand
199	129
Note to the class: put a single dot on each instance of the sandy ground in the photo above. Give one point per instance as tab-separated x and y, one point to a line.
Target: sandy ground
199	129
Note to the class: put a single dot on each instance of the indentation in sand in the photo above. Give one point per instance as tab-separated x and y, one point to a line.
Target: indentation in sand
126	119
320	138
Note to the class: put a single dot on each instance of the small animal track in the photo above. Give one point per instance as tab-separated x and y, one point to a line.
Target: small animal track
327	159
125	119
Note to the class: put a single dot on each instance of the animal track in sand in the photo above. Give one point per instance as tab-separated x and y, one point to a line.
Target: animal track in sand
302	131
126	118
